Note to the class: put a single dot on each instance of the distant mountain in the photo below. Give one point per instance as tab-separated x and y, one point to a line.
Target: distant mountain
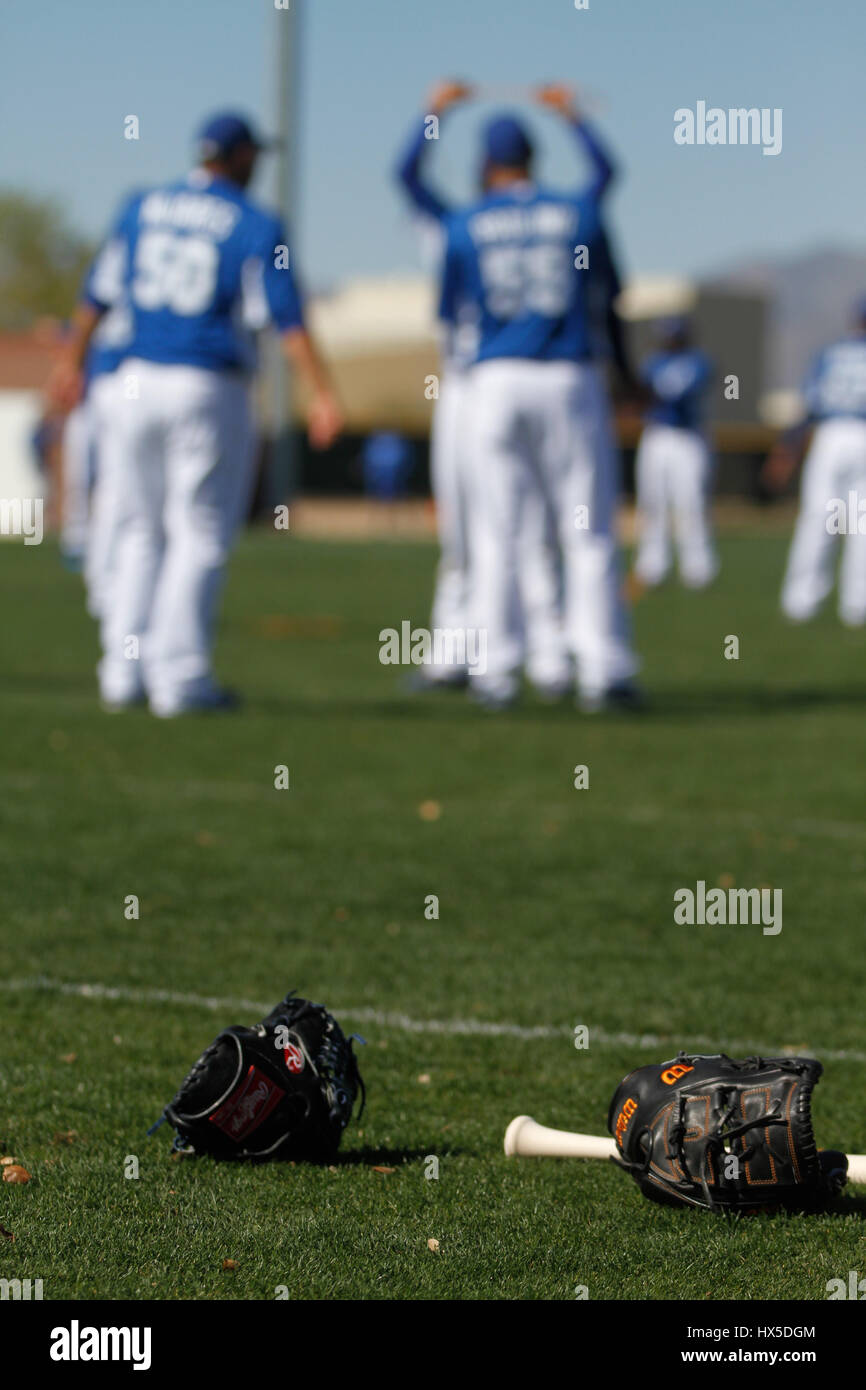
811	296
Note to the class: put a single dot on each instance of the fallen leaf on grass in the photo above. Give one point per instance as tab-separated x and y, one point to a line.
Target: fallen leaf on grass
433	1245
5	1160
65	1136
378	1168
430	810
69	1057
15	1173
230	1264
424	1078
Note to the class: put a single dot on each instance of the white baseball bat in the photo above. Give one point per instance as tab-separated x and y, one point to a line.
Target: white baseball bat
528	1139
531	1140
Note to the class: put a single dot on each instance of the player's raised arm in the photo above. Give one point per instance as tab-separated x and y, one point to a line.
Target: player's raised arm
563	100
410	164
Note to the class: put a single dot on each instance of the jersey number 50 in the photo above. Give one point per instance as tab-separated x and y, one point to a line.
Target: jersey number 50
174	272
535	279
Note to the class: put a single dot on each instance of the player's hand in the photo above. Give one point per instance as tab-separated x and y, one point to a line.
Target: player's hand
447	93
65	386
324	420
556	96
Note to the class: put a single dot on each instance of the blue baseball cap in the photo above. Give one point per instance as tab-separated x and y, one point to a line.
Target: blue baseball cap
224	132
506	142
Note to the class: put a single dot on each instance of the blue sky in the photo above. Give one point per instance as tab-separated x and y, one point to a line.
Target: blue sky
72	72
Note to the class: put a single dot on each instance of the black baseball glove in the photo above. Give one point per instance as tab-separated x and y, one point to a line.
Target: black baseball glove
282	1089
726	1135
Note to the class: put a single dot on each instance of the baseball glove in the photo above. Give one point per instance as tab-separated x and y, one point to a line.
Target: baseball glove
726	1135
282	1089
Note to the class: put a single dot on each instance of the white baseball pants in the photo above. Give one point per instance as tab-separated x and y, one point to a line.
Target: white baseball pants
543	429
77	478
451	489
672	479
536	597
106	496
835	467
183	450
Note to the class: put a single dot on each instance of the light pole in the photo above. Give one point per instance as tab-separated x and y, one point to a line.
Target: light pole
285	469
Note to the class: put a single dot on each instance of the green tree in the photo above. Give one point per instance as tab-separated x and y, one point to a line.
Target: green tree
42	261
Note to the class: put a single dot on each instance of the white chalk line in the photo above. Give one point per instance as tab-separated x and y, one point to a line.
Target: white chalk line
382	1018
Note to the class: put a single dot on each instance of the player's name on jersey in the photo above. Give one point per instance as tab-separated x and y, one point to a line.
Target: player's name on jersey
196	212
540	220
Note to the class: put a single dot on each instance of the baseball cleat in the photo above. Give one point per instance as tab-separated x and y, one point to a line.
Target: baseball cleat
214	702
624	695
417	683
119	706
486	699
554	694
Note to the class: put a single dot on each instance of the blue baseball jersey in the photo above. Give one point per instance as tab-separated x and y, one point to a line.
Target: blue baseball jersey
105	282
388	460
678	382
523	257
836	384
204	269
461	340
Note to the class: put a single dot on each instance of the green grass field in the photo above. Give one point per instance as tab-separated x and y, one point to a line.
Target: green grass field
556	909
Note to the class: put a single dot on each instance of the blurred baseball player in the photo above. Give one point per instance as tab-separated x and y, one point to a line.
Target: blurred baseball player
673	464
526	258
91	499
202	263
77	479
833	484
536	600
